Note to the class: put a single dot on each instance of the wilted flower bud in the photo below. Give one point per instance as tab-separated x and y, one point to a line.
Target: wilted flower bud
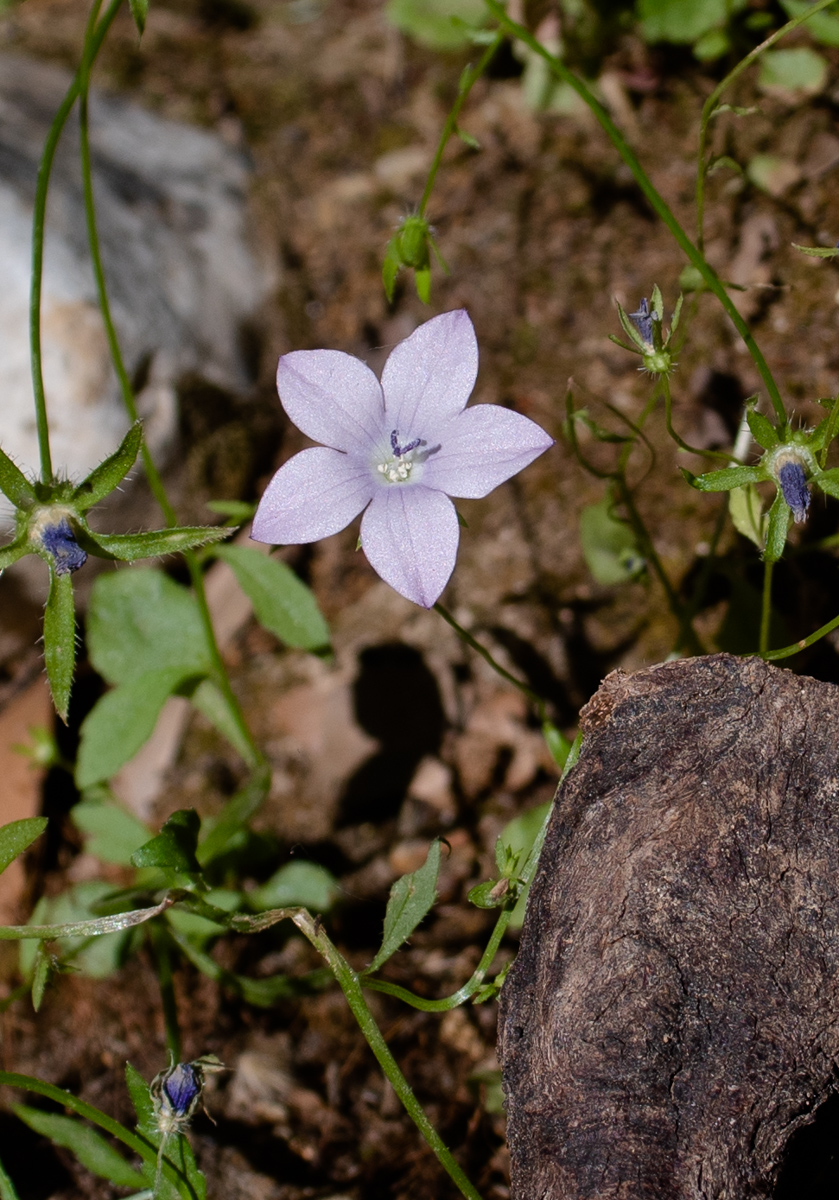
59	542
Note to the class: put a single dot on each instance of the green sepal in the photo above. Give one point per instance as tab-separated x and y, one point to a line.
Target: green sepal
174	847
657	302
494	893
631	332
390	269
828	481
677	312
776	534
14	485
60	640
818	251
725	480
109	474
624	345
139	11
127	547
422	281
14	550
763	431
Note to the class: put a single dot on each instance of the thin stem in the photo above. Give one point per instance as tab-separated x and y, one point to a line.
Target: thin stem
467	80
788	651
683	445
169	1003
352	989
711	103
656	200
766	607
534	698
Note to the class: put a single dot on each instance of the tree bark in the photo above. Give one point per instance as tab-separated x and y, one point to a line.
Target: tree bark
673	1014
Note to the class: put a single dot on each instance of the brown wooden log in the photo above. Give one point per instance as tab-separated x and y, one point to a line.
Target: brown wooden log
673	1014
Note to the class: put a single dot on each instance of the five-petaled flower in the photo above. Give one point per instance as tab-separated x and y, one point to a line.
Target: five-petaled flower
396	450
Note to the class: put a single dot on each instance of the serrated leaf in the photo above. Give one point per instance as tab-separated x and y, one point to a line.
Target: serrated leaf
17	836
14	485
282	603
154	543
60	640
112	833
234	817
747	515
297	883
776	534
89	1147
729	477
139	11
121	722
140	621
174	847
109	474
411	898
818	251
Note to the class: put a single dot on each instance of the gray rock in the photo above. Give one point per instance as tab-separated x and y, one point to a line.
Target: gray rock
182	279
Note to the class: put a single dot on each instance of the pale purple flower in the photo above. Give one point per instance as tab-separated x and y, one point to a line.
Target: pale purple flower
396	450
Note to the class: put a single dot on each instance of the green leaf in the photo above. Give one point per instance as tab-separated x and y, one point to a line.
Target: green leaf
736	110
681	22
763	431
14	485
121	722
776	534
557	743
828	481
411	897
109	474
208	698
797	70
772	174
297	883
747	515
11	552
141	1098
725	480
518	836
112	833
17	836
96	945
140	621
139	11
128	547
282	602
609	546
723	160
7	1188
236	511
233	817
431	23
60	640
822	26
818	251
40	976
89	1147
174	847
712	45
468	139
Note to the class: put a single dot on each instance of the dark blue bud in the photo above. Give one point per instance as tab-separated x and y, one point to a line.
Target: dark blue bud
793	484
643	321
67	554
183	1087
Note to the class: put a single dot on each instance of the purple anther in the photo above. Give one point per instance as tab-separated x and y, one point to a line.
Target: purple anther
643	322
793	484
183	1087
67	554
400	450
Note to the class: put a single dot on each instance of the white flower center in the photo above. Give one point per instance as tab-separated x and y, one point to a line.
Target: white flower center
398	466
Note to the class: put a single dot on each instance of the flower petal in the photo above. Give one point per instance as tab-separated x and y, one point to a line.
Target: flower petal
316	493
333	398
429	377
410	537
481	448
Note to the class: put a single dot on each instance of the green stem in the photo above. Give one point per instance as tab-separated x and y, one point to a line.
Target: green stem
683	445
711	103
156	484
467	80
163	967
351	987
657	202
788	651
135	1142
766	607
534	698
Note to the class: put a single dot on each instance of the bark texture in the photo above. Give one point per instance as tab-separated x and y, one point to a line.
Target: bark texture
673	1014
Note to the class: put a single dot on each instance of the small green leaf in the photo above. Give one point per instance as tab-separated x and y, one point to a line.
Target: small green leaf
112	833
691	280
89	1147
468	139
282	602
432	22
776	534
818	251
17	836
236	511
174	847
712	45
139	11
747	515
11	552
822	26
297	883
763	431
7	1188
735	110
797	70
234	817
141	1098
109	474
609	545
14	485
209	700
773	174
557	743
725	480
411	897
128	547
60	640
120	722
140	621
40	976
828	481
723	161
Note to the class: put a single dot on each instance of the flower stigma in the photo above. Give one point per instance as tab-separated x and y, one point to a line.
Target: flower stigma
398	469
